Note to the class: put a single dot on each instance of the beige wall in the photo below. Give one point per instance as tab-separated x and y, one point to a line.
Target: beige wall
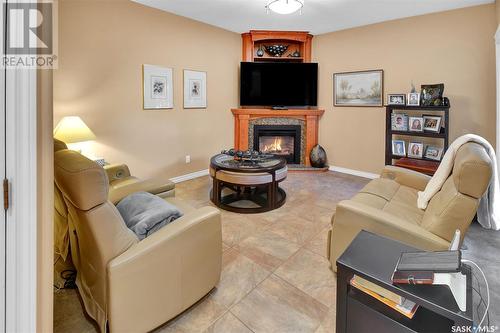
455	48
45	202
497	4
102	46
99	79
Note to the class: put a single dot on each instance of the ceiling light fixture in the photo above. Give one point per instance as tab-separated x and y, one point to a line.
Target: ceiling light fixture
285	7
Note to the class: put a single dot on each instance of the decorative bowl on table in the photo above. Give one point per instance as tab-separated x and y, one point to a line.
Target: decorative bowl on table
276	50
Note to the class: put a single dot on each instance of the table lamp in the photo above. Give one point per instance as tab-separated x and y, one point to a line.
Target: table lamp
74	132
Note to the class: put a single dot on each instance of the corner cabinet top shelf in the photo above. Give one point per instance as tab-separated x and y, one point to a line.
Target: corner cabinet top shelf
297	41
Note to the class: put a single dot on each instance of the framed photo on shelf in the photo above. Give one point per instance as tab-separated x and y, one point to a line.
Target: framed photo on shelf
396	99
399	148
416	124
432	94
434	153
413	99
416	149
363	88
399	122
195	89
432	124
157	87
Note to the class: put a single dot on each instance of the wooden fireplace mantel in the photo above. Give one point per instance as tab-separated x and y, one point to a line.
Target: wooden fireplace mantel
243	116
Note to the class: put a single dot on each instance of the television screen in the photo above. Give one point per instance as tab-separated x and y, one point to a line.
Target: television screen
278	84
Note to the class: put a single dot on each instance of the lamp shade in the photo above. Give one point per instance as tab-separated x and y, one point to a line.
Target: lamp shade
72	130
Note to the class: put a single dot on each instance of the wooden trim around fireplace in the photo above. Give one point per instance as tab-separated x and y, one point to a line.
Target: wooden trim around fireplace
243	116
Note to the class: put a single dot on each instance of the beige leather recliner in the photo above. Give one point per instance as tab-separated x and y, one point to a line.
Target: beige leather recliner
121	183
388	206
131	285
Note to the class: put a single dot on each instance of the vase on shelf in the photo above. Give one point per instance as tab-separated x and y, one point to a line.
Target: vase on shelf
260	52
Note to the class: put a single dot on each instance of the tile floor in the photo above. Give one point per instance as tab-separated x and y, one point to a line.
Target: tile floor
275	275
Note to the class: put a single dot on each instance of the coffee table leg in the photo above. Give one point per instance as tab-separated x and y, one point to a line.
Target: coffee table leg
270	196
216	192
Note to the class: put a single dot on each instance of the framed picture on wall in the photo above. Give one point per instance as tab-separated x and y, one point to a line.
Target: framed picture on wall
195	89
157	87
363	88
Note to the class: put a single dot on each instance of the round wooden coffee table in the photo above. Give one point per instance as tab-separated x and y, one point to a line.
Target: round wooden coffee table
247	186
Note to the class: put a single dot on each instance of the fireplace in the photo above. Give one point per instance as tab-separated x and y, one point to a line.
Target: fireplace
246	119
279	140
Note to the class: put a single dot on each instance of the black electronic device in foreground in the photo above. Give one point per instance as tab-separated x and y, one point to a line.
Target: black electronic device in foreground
279	84
420	267
437	262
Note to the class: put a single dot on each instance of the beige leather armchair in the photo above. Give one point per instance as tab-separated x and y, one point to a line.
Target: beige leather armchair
126	284
121	183
388	206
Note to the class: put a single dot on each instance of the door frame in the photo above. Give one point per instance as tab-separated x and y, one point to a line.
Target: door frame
497	57
21	217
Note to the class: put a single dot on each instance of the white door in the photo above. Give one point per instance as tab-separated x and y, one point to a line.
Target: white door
18	149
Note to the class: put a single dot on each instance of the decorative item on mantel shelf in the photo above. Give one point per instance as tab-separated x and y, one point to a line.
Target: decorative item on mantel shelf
318	157
260	52
295	54
276	50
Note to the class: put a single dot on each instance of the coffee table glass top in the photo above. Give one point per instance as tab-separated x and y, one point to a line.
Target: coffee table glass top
260	164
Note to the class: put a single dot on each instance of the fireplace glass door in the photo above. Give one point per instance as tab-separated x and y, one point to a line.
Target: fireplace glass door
279	140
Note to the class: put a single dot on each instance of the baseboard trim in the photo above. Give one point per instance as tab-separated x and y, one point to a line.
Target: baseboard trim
358	173
190	176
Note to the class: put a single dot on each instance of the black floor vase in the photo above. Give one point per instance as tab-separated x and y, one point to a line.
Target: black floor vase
318	157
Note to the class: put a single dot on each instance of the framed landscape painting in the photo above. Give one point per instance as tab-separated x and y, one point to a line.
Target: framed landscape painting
157	87
195	89
363	88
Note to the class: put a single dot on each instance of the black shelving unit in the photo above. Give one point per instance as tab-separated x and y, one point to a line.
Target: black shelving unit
389	133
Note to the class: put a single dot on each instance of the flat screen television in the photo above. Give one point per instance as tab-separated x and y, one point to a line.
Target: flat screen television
279	84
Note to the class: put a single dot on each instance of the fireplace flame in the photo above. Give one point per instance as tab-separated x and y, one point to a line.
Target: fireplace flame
275	146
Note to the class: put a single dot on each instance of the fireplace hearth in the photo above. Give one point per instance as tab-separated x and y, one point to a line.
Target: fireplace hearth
279	140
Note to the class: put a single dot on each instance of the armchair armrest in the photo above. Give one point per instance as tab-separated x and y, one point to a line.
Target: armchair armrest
165	273
150	185
117	171
406	177
351	217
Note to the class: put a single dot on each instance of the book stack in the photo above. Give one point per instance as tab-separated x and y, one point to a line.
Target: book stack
395	301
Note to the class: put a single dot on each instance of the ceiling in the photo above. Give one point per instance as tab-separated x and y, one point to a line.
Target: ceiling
318	16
